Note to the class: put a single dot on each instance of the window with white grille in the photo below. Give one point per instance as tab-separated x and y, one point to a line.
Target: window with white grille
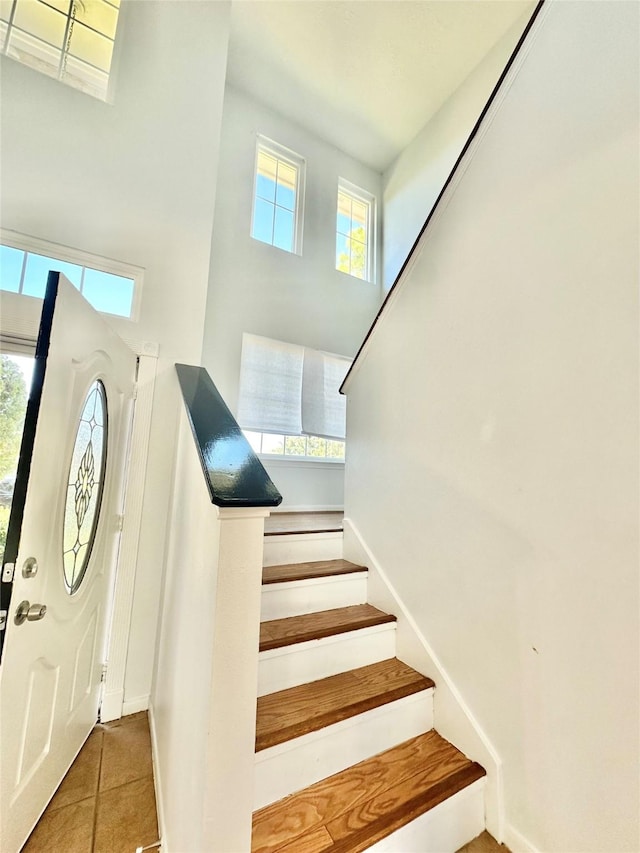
278	196
355	232
72	40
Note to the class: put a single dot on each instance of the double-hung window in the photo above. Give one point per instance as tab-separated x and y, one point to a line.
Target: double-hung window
72	40
355	232
278	196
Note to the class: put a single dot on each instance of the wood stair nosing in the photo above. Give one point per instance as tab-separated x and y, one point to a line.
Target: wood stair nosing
297	711
316	626
368	801
309	570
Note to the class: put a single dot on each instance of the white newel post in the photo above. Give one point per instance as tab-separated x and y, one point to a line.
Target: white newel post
228	801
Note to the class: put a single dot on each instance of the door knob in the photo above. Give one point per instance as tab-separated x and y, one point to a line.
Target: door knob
29	612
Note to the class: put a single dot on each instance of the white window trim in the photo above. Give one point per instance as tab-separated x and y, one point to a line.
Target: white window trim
298	461
372	228
263	143
86	259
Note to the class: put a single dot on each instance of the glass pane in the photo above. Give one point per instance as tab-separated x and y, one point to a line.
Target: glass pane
41	21
344	206
316	446
85	487
286	192
360	214
295	445
254	439
34	52
343	253
62	5
263	221
358	259
343	225
11	261
335	449
272	443
5	9
266	176
83	76
93	48
37	270
283	231
99	16
107	292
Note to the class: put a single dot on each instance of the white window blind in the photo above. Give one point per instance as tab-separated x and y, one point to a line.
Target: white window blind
270	385
285	388
324	409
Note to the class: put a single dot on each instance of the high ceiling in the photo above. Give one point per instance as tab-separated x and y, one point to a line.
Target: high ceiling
365	75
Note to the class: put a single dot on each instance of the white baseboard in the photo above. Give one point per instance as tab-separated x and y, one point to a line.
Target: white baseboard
138	703
516	842
453	718
157	781
307	508
111	706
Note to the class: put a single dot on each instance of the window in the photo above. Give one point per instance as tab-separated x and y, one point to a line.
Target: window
289	399
278	197
71	40
111	287
309	447
355	232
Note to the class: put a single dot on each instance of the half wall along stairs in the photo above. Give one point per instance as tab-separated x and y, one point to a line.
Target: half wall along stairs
347	758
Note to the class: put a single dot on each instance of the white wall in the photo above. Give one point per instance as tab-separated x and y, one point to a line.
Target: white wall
257	288
493	435
135	181
203	705
413	182
307	485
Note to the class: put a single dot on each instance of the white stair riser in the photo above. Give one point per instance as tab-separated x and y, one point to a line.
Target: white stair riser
443	829
280	600
279	669
291	766
285	548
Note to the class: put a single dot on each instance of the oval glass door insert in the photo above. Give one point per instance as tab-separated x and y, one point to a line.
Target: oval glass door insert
85	486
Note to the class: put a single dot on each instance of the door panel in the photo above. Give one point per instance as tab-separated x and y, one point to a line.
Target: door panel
51	667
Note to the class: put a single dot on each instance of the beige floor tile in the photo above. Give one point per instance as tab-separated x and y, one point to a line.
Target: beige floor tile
68	829
126	752
82	779
126	818
484	843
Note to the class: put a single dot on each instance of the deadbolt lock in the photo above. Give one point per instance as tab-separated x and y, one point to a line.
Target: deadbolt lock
30	568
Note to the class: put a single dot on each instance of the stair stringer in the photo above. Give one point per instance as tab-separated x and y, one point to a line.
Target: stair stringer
453	719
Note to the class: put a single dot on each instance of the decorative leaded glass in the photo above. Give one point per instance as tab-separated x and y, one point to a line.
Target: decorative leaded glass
84	487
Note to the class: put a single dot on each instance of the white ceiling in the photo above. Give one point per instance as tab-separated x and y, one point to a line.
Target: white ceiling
365	75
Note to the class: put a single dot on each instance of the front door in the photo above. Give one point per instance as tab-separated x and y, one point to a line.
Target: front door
62	542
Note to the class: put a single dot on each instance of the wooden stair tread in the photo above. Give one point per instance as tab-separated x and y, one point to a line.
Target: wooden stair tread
306	571
316	626
296	711
366	802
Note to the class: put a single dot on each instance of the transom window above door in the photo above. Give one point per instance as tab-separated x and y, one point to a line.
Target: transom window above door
109	286
278	197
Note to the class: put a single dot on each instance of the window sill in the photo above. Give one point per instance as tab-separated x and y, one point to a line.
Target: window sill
300	462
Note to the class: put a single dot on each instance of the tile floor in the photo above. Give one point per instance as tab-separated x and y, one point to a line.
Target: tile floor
106	802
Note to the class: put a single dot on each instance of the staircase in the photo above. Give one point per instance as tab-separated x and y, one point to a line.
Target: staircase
347	758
